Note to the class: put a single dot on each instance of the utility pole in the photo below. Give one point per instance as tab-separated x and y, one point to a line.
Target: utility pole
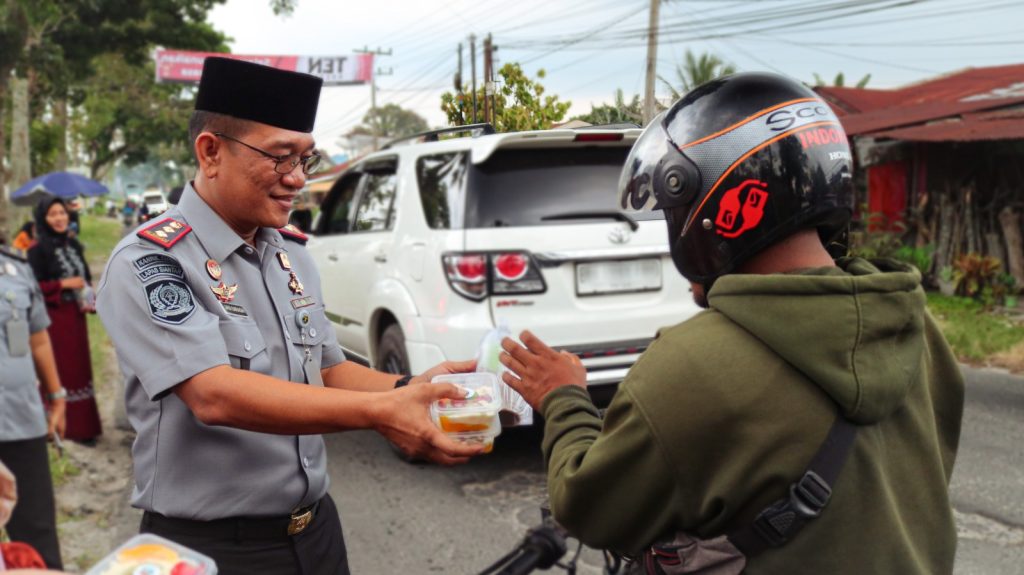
652	62
489	79
373	90
458	73
472	69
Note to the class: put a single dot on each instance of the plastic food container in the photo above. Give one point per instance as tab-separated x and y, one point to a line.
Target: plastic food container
148	554
473	419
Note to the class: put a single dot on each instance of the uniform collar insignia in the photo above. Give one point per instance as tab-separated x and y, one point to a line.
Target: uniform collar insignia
165	233
293	233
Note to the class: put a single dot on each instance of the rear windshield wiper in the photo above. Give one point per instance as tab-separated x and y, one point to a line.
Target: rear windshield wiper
608	214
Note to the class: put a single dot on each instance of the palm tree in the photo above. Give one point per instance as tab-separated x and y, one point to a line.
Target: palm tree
695	71
840	81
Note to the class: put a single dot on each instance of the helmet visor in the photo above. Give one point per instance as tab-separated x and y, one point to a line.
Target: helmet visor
636	184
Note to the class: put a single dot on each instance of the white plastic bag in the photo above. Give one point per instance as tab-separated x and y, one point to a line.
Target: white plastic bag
487	360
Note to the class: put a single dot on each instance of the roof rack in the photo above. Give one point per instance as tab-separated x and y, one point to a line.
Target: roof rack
432	135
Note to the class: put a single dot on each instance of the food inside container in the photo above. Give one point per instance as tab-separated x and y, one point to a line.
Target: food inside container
149	554
473	419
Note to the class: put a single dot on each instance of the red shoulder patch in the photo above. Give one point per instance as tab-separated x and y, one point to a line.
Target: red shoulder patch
293	233
165	233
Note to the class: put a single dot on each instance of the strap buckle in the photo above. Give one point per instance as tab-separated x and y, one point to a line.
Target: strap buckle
807	498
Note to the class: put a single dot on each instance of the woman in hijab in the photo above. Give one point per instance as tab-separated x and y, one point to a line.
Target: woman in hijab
59	266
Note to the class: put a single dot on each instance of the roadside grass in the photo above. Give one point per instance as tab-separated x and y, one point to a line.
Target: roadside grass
979	336
99	235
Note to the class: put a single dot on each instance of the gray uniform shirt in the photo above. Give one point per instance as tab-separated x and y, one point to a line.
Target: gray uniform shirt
165	312
21	410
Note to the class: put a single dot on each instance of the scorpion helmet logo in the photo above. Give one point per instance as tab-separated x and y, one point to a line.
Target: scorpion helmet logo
741	208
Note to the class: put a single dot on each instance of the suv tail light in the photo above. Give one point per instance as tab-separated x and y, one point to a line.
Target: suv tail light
478	275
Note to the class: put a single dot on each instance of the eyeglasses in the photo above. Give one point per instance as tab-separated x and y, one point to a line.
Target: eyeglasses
283	164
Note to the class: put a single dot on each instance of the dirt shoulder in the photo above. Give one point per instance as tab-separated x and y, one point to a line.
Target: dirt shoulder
93	512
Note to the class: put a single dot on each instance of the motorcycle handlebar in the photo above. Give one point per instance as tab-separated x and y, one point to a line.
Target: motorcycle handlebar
542	547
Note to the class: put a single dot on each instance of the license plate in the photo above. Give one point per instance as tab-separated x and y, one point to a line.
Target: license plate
605	277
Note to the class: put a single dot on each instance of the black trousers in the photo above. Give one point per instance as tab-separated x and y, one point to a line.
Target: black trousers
34	520
237	550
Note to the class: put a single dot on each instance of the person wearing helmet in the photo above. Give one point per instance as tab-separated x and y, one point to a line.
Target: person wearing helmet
807	421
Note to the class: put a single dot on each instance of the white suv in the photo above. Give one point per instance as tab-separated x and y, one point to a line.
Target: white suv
423	247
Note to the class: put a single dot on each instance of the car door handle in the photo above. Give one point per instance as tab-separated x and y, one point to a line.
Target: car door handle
333	257
380	258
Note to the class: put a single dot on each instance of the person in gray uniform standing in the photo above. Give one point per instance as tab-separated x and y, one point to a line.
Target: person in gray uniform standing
232	369
26	358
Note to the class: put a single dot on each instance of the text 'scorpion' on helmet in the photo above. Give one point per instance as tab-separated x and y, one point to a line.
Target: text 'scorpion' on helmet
738	164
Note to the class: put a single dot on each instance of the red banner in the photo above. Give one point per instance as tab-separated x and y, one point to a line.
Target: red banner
187	67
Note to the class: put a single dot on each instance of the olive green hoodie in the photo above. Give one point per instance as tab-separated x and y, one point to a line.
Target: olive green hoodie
725	410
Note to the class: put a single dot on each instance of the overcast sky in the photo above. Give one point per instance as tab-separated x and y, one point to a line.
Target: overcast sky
589	48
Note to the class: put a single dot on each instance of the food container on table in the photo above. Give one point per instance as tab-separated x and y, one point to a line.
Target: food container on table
473	419
149	554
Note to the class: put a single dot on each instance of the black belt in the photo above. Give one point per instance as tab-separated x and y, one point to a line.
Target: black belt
239	528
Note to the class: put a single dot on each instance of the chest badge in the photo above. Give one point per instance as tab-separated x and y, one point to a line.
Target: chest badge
224	293
294	284
9	269
286	264
213	268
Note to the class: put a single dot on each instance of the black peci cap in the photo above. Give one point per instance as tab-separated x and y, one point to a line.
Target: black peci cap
259	93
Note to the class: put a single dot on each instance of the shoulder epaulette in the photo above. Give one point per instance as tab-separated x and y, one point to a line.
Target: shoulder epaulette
165	233
293	233
12	255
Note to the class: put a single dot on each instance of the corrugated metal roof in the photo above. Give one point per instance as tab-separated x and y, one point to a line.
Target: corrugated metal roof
943	108
972	130
905	116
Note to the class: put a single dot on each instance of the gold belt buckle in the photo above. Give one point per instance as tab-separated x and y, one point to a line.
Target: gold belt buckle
300	521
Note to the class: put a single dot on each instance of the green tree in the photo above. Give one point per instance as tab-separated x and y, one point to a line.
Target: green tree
519	103
696	70
840	81
125	114
391	121
616	113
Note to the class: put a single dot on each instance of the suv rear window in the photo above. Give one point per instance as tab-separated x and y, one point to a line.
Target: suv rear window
521	187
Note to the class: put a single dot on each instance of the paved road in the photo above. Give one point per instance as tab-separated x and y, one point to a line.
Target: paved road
403	518
988	480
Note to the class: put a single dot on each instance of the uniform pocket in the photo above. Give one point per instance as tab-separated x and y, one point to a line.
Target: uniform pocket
243	340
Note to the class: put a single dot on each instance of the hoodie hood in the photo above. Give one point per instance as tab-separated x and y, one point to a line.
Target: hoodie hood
856	330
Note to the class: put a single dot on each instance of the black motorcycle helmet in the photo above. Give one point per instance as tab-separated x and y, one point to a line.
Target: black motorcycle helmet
738	164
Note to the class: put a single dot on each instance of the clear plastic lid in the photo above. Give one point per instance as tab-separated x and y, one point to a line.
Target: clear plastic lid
477	413
148	554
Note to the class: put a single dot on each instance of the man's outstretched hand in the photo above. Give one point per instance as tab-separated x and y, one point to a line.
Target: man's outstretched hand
404	419
538	369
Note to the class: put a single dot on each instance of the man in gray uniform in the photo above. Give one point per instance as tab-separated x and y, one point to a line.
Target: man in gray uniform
26	358
232	369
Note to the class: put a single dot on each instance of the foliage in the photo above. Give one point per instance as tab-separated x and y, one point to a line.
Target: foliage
973	333
283	7
125	114
697	70
392	120
519	103
840	81
946	274
45	140
920	257
975	276
619	112
61	467
875	245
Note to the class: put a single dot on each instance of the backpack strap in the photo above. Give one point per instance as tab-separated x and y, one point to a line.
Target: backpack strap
782	520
